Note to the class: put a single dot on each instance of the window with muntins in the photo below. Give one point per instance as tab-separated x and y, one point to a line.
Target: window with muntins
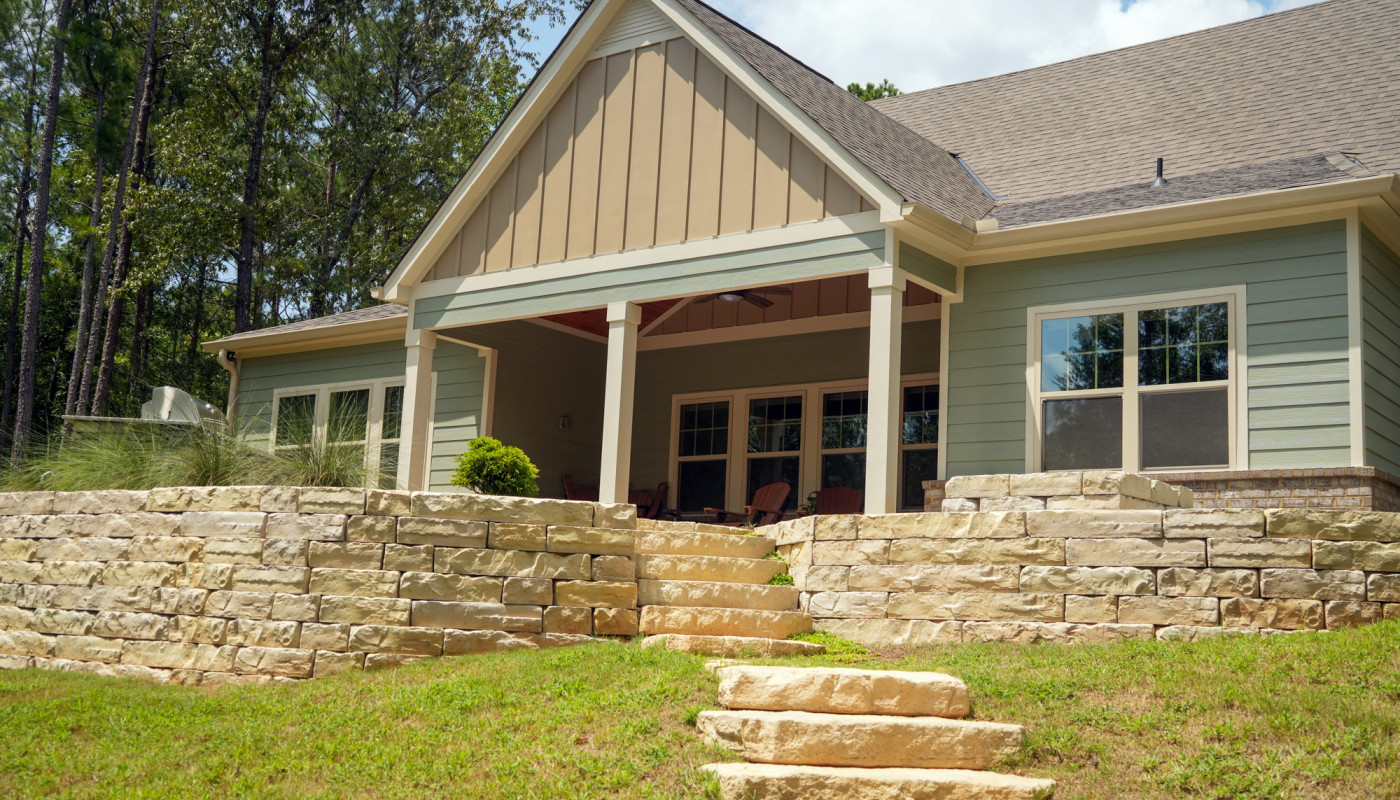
365	418
1142	386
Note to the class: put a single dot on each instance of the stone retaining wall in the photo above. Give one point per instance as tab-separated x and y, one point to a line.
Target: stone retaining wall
1091	574
1352	488
251	584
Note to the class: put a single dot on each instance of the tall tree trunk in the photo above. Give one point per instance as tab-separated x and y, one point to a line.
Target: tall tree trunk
24	416
117	300
75	375
141	320
252	176
7	408
116	222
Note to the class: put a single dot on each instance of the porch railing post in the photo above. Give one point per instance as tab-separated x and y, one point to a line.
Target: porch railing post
623	319
887	286
417	403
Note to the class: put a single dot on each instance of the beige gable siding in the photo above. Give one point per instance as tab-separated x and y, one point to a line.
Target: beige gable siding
648	146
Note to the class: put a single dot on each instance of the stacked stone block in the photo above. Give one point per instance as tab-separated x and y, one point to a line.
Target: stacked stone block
226	585
1092	574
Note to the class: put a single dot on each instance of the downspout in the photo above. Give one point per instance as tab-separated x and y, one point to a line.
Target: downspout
228	361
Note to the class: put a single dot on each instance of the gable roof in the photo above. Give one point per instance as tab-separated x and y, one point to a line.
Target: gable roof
1291	85
915	167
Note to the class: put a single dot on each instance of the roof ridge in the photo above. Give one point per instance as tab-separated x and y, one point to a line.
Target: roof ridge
1270	17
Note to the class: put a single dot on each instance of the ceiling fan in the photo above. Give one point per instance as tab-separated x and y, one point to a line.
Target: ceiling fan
754	296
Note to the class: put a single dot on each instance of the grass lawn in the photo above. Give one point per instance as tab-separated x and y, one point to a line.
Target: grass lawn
1309	716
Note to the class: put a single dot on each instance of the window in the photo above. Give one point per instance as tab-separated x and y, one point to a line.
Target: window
390	437
918	456
843	438
1140	386
775	444
367	418
703	451
809	436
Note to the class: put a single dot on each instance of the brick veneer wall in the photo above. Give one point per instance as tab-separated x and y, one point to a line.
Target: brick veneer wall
1358	488
1092	575
251	584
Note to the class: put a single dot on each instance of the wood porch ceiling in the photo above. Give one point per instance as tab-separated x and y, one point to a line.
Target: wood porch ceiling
820	298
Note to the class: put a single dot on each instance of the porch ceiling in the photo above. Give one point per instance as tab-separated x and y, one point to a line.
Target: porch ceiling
802	300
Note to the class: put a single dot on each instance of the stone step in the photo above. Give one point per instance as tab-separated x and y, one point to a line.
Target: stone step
708	594
724	622
733	646
781	782
843	691
860	740
708	568
683	543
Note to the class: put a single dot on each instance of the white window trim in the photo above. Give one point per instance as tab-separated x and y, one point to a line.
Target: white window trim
736	470
323	392
1237	385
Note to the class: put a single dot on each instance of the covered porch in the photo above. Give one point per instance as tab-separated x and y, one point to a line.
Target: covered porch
819	382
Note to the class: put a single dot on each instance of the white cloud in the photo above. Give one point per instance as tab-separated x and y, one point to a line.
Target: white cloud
918	44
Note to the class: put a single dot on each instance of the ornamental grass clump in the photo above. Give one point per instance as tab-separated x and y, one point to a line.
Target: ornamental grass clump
490	467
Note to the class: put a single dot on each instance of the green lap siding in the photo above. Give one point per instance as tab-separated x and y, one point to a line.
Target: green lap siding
260	377
457	408
1380	316
1296	318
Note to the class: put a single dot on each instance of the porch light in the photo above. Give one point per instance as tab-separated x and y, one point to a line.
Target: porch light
731	297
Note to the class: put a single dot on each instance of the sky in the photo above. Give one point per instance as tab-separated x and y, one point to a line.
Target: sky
938	42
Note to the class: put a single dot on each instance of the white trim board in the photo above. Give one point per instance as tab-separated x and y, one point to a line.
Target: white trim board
726	244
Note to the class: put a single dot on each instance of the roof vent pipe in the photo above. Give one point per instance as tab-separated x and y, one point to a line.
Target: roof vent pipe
1159	181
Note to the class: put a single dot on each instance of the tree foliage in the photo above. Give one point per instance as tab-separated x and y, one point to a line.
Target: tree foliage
874	91
289	153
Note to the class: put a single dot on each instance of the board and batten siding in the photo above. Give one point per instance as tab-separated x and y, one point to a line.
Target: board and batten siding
1296	319
1380	353
832	356
646	147
457	408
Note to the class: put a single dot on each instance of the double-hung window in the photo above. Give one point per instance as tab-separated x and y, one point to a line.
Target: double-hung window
1136	385
703	455
367	418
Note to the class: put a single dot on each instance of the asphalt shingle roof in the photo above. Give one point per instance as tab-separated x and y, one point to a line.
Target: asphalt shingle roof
917	168
1319	79
1285	174
383	311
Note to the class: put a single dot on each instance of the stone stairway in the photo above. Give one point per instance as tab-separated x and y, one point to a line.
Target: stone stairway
707	592
849	734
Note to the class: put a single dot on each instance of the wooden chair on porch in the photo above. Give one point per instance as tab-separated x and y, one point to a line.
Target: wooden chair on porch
840	500
572	492
765	508
648	505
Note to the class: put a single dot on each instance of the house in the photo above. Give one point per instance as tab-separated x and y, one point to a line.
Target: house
686	257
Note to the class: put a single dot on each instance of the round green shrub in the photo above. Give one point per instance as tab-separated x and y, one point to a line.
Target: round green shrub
490	467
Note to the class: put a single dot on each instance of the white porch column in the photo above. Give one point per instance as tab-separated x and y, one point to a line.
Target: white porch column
417	403
883	424
623	319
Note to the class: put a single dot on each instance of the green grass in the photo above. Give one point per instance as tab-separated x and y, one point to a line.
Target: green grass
606	720
1306	717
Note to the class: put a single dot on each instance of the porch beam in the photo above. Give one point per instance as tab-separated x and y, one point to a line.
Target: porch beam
887	286
417	404
623	319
